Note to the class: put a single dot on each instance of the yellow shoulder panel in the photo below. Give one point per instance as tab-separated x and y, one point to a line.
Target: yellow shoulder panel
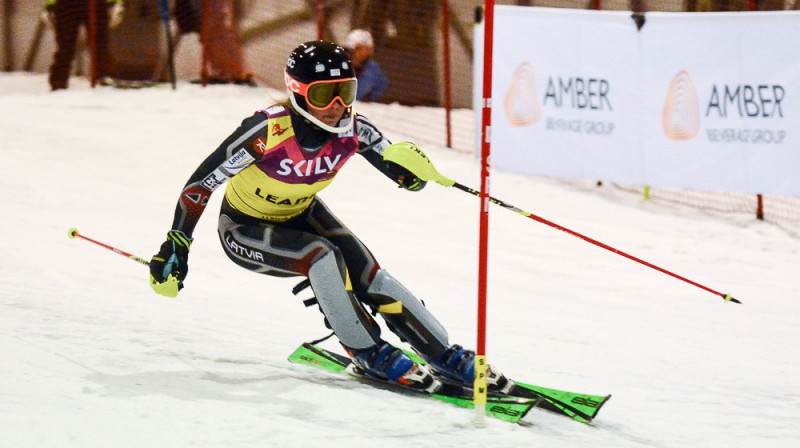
280	129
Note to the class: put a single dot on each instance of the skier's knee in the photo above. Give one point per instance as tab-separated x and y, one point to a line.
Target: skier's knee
352	325
406	315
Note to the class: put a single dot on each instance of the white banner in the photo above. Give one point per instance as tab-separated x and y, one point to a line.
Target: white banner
707	101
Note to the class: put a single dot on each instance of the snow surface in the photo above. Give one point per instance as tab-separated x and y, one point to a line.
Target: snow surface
91	357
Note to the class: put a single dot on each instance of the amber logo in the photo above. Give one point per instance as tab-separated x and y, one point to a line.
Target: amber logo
520	103
681	115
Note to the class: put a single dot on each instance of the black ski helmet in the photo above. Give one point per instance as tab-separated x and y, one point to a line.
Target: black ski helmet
315	61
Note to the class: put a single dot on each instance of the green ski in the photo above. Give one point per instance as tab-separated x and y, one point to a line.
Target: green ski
507	408
577	406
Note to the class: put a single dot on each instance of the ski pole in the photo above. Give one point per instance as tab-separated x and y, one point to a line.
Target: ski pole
73	233
413	159
168	287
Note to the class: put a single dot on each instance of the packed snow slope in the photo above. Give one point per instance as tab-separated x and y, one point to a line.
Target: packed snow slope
91	357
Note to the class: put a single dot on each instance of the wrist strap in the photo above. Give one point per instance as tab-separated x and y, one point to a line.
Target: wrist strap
179	238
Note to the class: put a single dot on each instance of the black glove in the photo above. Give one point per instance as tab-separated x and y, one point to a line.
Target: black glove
168	268
405	178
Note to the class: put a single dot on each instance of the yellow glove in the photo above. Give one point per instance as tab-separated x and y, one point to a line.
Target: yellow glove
168	268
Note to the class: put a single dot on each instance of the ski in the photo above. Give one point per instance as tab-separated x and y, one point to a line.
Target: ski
507	408
577	406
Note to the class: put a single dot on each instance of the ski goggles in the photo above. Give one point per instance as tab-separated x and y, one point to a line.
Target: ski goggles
321	94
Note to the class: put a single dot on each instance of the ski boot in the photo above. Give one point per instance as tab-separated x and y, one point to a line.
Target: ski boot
386	362
458	364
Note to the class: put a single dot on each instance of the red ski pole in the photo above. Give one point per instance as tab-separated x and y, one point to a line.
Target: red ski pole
413	159
73	233
727	297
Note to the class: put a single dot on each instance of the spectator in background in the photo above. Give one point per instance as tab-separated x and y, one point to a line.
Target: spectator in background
67	16
371	80
224	56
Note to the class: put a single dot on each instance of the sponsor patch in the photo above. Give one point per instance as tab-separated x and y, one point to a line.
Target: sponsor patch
305	168
214	180
238	161
278	130
260	145
242	251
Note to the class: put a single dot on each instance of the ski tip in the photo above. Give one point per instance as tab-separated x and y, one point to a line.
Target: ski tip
72	233
608	397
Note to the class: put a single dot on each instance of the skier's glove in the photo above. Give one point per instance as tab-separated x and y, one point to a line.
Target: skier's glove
404	178
169	266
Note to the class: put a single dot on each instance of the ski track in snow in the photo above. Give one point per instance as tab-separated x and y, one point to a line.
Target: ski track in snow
93	358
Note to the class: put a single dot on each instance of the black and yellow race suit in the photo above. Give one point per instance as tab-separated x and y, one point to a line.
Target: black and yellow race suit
272	222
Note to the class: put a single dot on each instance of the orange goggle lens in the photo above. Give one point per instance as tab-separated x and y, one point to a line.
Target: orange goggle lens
321	94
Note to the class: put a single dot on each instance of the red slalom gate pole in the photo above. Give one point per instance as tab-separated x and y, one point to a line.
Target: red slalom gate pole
480	388
73	233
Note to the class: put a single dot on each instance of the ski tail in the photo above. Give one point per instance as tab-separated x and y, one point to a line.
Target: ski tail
313	356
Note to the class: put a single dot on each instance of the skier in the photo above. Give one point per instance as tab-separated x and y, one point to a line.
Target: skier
272	221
